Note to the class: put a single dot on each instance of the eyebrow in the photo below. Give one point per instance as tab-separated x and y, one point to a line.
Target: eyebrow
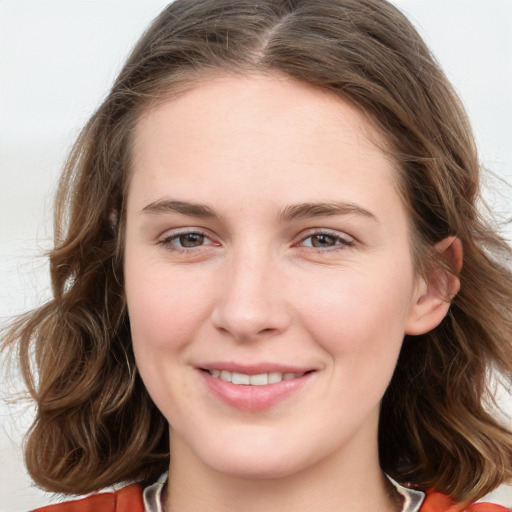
311	210
291	212
183	207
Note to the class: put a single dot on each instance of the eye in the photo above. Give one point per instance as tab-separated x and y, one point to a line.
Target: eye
185	241
190	240
327	240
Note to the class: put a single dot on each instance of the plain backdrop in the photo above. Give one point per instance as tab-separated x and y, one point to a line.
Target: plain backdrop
57	61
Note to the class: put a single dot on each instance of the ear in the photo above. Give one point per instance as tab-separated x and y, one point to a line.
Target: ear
113	218
435	291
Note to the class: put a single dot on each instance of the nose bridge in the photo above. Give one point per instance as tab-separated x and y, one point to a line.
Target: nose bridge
249	302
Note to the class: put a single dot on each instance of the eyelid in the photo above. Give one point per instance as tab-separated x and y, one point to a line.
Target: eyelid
345	239
166	240
170	235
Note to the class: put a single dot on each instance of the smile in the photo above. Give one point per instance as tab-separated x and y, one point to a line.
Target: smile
261	379
256	389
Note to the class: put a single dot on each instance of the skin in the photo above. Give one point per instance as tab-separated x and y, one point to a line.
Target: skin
333	292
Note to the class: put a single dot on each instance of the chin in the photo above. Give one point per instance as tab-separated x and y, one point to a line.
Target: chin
252	461
261	469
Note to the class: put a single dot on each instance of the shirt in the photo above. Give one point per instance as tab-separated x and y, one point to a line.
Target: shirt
133	498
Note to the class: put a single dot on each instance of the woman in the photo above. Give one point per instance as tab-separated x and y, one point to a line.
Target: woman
269	264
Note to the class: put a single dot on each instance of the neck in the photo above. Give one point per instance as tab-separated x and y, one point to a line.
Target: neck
352	484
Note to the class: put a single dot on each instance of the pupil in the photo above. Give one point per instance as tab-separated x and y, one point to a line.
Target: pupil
322	240
191	240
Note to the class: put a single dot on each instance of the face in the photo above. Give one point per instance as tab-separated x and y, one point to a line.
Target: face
268	274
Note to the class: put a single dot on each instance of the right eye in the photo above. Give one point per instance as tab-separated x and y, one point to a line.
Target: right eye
190	240
185	241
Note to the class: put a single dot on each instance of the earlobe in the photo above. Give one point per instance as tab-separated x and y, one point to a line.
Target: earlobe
436	290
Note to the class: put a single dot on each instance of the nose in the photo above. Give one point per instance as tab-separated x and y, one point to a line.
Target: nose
251	303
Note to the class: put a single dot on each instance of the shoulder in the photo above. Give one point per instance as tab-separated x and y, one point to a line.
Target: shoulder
437	502
127	499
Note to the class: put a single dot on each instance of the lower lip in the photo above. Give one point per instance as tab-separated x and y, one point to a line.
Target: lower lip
253	398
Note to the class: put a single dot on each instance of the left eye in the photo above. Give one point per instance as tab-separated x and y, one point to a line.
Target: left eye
325	241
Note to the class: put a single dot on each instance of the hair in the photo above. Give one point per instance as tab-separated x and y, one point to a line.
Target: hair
437	428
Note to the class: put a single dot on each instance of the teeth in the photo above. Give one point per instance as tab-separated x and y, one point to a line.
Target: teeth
274	377
240	378
261	379
225	375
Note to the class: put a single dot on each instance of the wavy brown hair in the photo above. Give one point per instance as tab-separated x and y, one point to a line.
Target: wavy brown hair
96	424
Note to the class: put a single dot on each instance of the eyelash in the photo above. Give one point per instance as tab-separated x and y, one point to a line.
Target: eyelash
168	241
340	242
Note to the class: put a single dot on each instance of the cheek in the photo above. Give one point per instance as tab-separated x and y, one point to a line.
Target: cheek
166	308
359	319
164	316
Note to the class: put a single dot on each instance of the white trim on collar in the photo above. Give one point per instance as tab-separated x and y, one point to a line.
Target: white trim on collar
152	496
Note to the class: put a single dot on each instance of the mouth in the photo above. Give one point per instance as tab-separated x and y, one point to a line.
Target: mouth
255	389
260	379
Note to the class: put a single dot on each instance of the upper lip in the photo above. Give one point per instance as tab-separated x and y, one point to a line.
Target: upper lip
254	368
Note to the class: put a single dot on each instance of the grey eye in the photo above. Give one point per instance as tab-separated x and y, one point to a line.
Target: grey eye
326	241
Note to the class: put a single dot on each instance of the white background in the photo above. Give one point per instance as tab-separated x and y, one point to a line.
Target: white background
57	61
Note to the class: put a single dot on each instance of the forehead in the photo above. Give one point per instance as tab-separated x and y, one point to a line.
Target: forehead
243	130
225	98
